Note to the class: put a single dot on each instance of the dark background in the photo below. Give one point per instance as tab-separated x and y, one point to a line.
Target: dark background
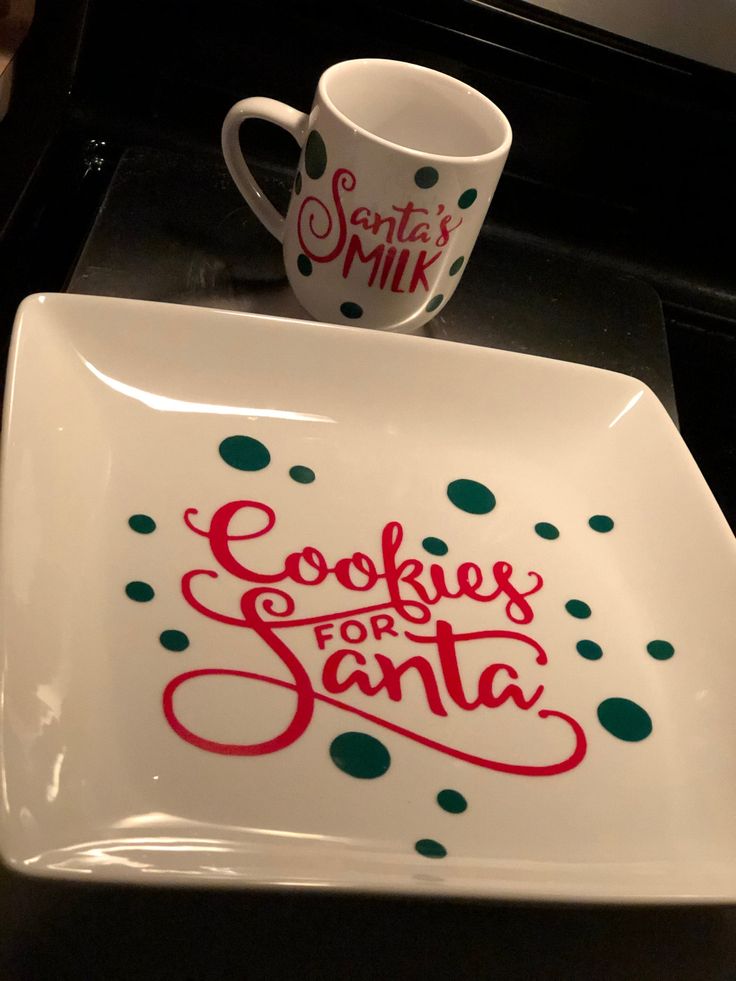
623	162
623	157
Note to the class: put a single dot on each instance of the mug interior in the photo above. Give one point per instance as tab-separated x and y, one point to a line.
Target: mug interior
415	108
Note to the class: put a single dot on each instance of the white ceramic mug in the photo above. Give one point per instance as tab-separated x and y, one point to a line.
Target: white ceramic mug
399	164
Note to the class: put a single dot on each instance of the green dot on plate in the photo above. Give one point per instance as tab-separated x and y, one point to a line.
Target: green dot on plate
141	592
600	522
430	848
660	650
142	523
545	530
589	650
304	264
174	640
426	177
471	496
298	183
452	801
457	266
315	156
360	755
435	546
624	719
576	608
244	453
434	302
302	475
351	310
467	197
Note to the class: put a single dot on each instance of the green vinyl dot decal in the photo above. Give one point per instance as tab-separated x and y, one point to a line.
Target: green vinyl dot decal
467	198
141	592
624	719
452	801
430	848
244	453
576	608
601	523
545	530
426	177
315	156
457	266
660	650
589	650
302	475
434	302
304	264
174	640
435	546
351	310
471	496
142	523
298	183
360	755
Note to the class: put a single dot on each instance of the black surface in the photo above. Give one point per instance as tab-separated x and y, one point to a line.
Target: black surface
53	932
214	252
44	68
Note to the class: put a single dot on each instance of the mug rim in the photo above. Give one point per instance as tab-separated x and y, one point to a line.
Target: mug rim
491	155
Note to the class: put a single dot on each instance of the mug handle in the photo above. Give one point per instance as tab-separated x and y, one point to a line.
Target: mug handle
291	120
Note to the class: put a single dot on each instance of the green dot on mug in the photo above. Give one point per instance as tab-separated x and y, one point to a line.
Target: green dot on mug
457	266
298	183
434	302
426	177
304	265
467	198
351	310
315	156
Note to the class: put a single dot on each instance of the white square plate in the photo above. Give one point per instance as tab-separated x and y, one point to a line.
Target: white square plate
291	604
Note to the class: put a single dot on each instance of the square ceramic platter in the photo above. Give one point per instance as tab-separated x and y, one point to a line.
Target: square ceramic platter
296	605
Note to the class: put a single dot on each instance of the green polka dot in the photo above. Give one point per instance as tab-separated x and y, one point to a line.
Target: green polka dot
351	310
452	801
600	522
467	198
244	453
457	266
624	719
142	524
576	608
174	640
430	848
434	302
141	592
589	650
302	475
298	183
426	177
315	156
304	265
471	496
660	650
435	546
360	755
545	530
